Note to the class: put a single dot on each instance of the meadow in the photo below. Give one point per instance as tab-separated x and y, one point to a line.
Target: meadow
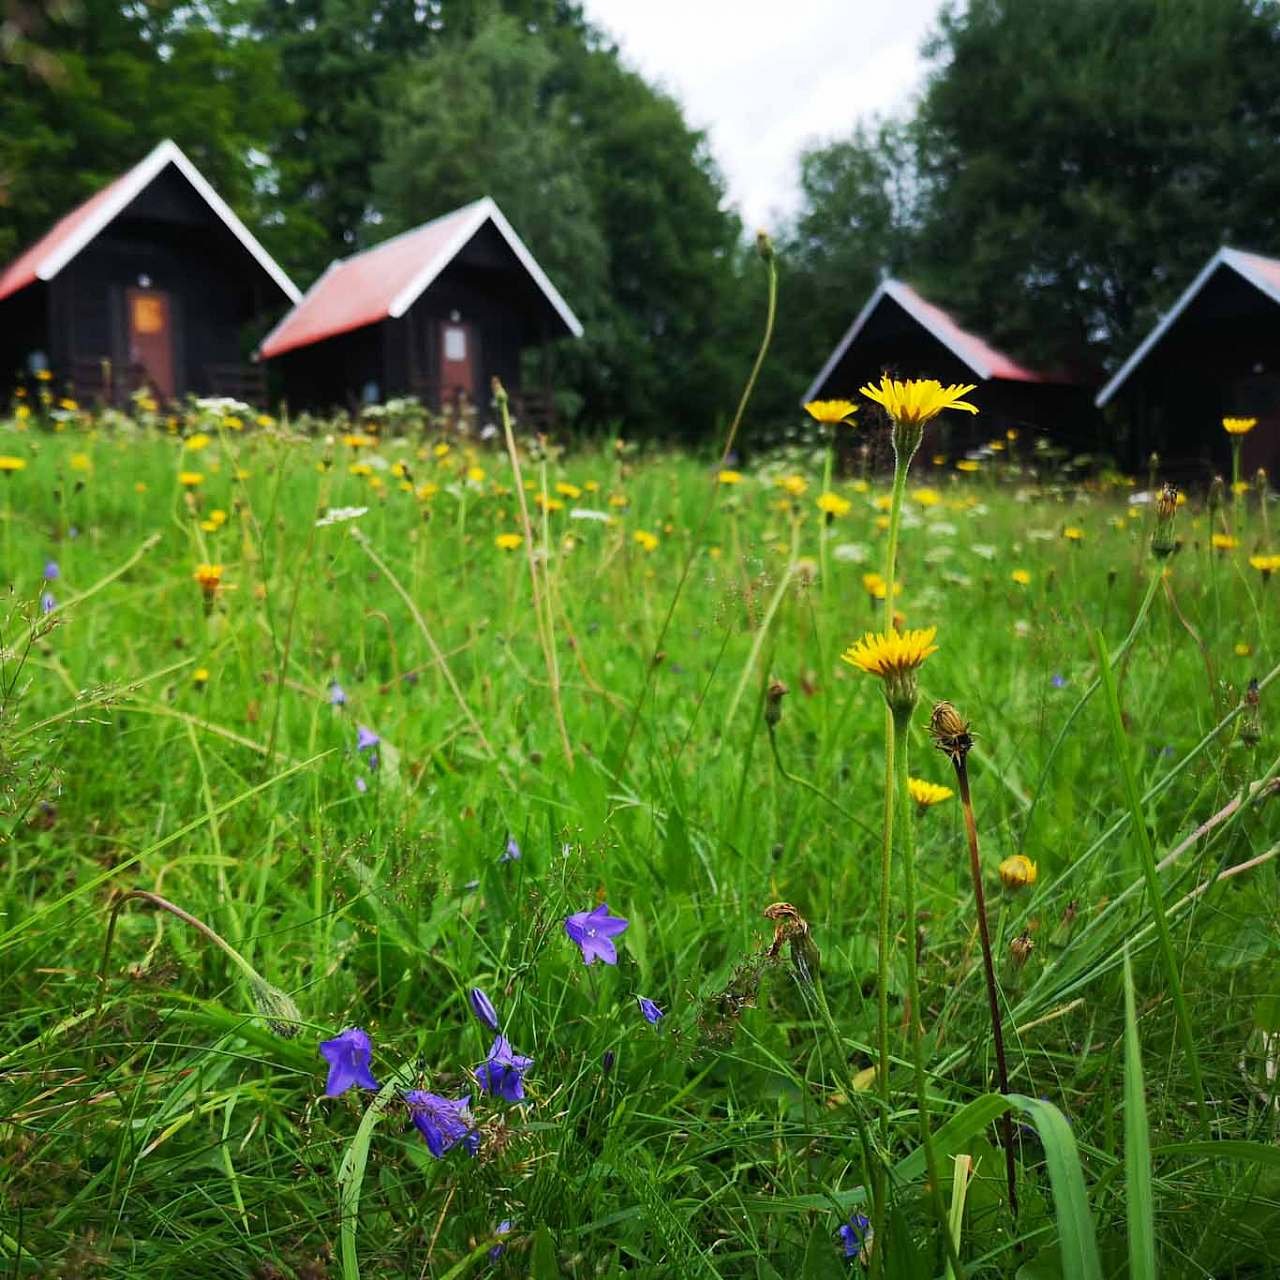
359	749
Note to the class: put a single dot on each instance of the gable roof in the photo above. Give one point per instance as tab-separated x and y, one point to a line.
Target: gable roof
1261	272
982	359
384	282
58	246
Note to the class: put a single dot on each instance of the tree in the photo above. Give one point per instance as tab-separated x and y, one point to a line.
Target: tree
1080	160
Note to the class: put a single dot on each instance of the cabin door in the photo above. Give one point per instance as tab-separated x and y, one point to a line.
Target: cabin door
457	361
151	337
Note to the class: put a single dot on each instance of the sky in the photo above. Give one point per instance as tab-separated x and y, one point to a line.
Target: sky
766	79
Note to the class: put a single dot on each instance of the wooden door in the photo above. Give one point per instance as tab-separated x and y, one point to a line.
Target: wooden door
457	361
151	337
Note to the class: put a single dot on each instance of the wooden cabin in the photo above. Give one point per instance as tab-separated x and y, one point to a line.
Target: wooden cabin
1215	353
900	333
151	282
434	313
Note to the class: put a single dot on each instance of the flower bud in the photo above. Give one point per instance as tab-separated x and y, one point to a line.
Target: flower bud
483	1008
1162	540
950	732
1020	949
1018	872
773	702
764	245
282	1015
1251	719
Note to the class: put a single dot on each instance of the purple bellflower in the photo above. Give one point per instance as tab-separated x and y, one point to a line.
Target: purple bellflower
502	1229
594	932
366	738
1059	681
483	1008
652	1014
856	1236
348	1055
443	1122
337	694
51	570
361	785
512	852
502	1072
47	603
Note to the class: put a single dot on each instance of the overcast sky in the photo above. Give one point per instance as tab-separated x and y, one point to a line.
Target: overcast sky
765	79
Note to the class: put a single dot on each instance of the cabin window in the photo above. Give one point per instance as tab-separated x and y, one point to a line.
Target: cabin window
148	315
455	342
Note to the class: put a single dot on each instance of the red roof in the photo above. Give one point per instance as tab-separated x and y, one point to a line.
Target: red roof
44	259
385	281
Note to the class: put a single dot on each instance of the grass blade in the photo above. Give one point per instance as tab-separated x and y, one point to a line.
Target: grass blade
1140	1209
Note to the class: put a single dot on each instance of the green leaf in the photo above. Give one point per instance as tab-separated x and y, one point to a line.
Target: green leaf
1140	1209
821	1256
543	1264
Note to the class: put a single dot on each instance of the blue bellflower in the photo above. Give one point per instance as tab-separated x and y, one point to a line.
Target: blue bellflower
512	852
443	1122
337	694
348	1055
47	603
652	1014
502	1072
502	1229
483	1008
856	1236
594	932
51	571
366	738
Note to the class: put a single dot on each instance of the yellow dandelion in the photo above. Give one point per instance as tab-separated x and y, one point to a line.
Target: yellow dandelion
1239	487
619	500
885	655
1073	533
1224	542
729	477
1243	650
917	401
1238	426
833	504
425	491
927	794
200	677
68	404
1018	872
360	469
548	504
265	420
927	497
793	485
209	576
357	440
646	540
882	523
8	463
441	450
190	479
831	412
567	490
232	423
195	443
968	465
508	541
477	474
592	486
1265	564
1022	577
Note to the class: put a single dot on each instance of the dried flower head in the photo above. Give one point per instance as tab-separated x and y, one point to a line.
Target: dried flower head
773	696
895	657
950	732
791	927
1020	949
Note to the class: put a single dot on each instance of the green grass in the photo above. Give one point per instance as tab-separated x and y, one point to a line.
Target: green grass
170	1133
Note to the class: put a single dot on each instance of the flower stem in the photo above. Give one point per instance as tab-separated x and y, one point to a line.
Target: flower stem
988	964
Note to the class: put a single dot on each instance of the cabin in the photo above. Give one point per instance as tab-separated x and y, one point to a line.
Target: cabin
153	282
900	333
1215	353
436	313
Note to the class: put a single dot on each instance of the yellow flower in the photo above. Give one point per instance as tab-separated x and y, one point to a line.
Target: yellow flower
1240	487
647	540
729	477
567	490
875	585
197	442
1022	577
399	470
200	677
894	657
80	462
592	486
209	576
242	474
1018	872
139	486
441	450
425	491
833	504
360	469
939	459
882	501
969	465
918	400
357	440
1243	650
508	541
8	463
1265	565
1073	534
927	497
232	423
882	523
265	420
476	475
548	504
22	412
831	412
927	794
67	403
1238	426
44	375
190	479
619	500
1224	542
794	485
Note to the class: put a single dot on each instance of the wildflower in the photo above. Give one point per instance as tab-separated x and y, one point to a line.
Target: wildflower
476	475
833	504
1162	540
1020	949
357	440
647	541
1224	542
80	462
348	1055
360	469
969	465
443	1122
567	490
729	477
196	442
1251	718
190	479
1265	565
512	852
927	794
856	1236
483	1008
927	497
831	412
594	932
337	694
502	1072
1058	680
209	576
366	738
1022	577
876	587
773	696
10	464
339	515
918	401
619	500
47	603
1072	533
508	541
950	732
1238	426
200	677
1018	872
51	571
895	657
502	1229
793	485
652	1014
1242	649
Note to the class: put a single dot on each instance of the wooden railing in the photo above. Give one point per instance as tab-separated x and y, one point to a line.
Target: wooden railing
247	382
